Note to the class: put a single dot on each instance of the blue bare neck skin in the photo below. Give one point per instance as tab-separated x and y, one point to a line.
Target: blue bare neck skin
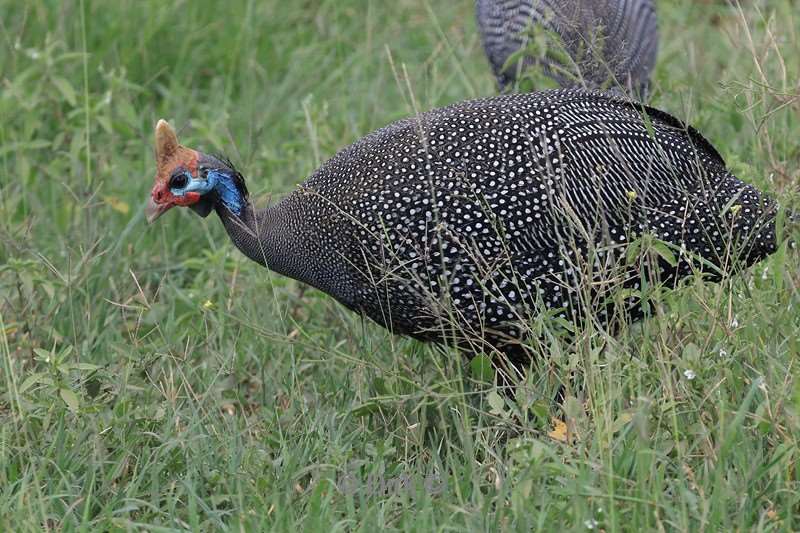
226	189
221	183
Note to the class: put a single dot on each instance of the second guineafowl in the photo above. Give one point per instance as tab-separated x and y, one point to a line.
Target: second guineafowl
610	43
463	223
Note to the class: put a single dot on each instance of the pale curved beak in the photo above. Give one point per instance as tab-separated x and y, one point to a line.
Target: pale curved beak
153	210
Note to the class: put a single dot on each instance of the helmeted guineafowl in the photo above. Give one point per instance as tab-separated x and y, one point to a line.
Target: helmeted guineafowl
467	221
609	42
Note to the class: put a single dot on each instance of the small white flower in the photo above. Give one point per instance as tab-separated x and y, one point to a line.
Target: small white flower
689	374
723	352
590	523
734	323
764	274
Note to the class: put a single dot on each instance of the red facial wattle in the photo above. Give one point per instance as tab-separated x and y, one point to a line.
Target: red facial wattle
188	198
161	200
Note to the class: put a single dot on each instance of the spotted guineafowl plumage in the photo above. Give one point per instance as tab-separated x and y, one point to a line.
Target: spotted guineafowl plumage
610	42
468	221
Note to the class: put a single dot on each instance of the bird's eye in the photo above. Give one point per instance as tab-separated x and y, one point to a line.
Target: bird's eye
178	181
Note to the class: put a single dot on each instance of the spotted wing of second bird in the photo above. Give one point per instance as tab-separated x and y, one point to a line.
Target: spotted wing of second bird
475	217
612	42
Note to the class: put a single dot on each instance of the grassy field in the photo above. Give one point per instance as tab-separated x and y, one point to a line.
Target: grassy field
155	379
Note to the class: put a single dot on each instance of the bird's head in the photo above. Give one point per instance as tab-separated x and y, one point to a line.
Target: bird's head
192	179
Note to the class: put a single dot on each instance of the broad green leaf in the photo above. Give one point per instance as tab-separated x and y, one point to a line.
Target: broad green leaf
632	251
45	355
31	380
481	369
66	90
496	403
70	398
665	253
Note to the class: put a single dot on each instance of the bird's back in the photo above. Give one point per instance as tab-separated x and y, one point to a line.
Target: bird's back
489	207
611	42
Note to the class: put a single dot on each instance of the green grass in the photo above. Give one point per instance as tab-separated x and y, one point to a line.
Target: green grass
154	379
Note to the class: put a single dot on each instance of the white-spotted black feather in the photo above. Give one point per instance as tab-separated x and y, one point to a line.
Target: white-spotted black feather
611	43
